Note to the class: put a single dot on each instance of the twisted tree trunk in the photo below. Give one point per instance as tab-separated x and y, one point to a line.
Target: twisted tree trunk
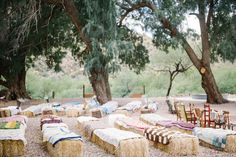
100	84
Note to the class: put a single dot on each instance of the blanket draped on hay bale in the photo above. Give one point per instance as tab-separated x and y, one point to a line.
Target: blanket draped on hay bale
220	139
12	141
132	125
173	142
47	119
61	141
157	120
131	106
121	143
89	127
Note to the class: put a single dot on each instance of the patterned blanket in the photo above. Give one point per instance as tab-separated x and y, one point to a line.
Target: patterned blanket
179	124
163	135
19	118
215	137
50	119
10	125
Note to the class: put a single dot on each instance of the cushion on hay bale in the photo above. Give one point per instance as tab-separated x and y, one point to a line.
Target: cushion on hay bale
173	142
19	118
219	139
121	143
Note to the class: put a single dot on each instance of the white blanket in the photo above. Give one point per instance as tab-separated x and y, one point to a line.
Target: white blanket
114	136
131	106
82	119
109	107
13	134
53	125
152	118
113	117
49	132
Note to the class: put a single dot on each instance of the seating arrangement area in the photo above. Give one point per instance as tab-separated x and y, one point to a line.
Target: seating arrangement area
120	134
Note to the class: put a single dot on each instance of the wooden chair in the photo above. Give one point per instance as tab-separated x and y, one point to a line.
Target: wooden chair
186	116
177	110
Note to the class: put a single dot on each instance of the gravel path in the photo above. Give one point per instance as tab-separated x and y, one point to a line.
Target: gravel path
35	147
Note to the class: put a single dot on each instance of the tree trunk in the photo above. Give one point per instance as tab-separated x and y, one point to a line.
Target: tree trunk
210	87
100	84
170	85
16	86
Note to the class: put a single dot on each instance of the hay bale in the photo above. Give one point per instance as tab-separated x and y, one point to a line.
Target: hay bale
9	148
146	110
59	113
180	146
126	128
230	145
27	113
136	147
68	148
124	112
96	113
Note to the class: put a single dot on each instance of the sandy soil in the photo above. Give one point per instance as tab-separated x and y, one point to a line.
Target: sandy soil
35	147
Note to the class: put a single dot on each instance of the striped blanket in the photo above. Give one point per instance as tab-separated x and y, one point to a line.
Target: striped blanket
50	119
161	135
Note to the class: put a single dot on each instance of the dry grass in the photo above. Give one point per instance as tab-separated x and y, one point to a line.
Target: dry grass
9	148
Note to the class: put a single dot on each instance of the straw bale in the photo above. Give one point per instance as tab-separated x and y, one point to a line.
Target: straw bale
230	143
59	113
126	128
145	121
125	112
12	148
136	147
66	148
27	113
180	146
75	112
229	147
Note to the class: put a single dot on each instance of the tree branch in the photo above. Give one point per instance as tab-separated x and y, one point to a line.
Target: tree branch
73	13
167	25
210	13
3	83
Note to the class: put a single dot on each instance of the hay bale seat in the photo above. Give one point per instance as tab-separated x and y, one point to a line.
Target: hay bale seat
132	125
12	141
67	144
68	148
27	113
172	142
132	106
156	120
87	128
121	143
83	119
75	111
218	139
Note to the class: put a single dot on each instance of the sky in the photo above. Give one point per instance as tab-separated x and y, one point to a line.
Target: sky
191	22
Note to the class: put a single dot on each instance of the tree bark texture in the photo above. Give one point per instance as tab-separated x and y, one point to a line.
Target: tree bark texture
16	86
99	80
